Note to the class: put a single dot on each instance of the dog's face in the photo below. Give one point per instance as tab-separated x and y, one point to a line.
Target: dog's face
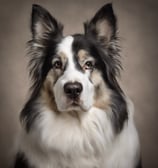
76	72
70	77
75	80
71	72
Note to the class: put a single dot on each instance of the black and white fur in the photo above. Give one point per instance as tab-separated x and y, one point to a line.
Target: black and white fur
77	115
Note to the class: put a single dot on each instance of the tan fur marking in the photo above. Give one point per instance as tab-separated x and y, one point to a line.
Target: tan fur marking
47	94
102	93
82	54
63	57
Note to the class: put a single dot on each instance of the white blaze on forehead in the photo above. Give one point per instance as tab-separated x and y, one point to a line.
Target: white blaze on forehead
65	47
71	73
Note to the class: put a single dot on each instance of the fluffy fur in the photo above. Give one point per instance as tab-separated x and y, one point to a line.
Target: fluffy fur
77	115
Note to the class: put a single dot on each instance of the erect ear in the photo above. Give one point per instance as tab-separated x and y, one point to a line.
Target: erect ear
102	26
42	23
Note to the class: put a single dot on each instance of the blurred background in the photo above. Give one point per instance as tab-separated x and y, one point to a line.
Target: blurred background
138	25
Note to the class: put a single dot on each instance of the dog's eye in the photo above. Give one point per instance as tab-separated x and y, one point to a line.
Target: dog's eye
88	65
57	64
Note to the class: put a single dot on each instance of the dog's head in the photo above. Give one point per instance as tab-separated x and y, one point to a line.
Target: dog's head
72	67
75	72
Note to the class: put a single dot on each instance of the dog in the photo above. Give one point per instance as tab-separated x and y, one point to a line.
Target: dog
77	115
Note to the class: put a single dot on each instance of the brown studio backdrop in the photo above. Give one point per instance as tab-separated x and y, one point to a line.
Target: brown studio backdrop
138	25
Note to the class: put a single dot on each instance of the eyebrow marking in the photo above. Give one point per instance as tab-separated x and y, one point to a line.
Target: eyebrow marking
82	54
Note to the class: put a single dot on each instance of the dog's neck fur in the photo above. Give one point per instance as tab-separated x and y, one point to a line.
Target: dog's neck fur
87	142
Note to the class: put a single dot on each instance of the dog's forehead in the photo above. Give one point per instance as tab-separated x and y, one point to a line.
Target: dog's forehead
65	46
71	46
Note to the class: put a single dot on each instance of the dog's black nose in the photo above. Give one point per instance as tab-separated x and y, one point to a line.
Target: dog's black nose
73	90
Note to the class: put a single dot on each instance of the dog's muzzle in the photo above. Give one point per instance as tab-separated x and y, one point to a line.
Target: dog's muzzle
73	90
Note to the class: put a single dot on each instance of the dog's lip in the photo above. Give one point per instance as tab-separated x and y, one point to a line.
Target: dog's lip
74	102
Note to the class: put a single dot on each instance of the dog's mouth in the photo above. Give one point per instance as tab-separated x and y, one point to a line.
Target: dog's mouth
74	105
73	102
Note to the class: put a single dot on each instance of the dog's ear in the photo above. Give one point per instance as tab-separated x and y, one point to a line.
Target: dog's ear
46	32
43	24
102	28
103	25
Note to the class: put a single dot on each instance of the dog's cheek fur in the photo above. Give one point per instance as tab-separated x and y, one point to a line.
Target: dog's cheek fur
102	93
47	90
111	101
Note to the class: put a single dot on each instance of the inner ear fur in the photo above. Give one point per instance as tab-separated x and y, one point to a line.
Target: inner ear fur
43	23
103	25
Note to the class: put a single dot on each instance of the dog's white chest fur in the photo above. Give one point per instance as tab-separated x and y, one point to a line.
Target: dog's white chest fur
83	142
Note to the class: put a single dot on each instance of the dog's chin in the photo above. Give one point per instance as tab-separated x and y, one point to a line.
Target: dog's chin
73	105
